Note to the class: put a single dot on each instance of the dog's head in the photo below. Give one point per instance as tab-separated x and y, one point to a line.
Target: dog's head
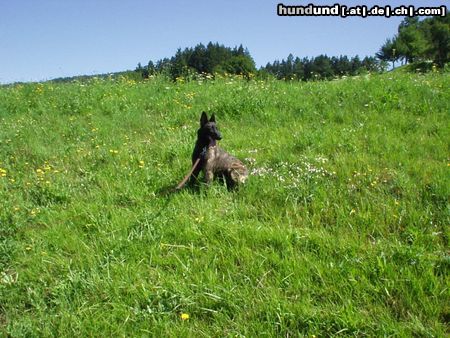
208	129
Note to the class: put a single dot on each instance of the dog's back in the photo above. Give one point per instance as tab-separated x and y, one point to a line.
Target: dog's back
220	163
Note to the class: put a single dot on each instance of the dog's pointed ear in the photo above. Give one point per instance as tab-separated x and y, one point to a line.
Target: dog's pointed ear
203	119
213	118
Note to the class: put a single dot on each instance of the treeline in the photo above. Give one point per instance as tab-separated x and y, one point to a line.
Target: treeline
416	41
425	40
218	59
128	74
210	59
321	67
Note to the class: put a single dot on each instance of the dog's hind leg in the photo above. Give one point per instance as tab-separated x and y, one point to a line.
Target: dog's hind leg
230	183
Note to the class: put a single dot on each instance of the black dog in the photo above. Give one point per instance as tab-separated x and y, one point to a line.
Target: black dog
213	159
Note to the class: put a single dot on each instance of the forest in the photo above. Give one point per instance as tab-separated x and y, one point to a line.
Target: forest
424	42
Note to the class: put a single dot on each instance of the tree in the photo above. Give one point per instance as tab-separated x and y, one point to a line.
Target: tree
212	58
417	40
151	68
322	67
356	65
387	52
240	65
437	31
411	43
299	69
370	64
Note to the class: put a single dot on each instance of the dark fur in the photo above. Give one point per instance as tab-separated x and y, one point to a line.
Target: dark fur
214	161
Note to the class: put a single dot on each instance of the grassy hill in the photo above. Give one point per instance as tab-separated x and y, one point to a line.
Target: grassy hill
341	230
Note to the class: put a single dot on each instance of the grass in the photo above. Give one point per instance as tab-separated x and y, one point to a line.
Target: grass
342	228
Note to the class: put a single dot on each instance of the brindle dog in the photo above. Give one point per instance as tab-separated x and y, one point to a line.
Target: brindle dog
213	159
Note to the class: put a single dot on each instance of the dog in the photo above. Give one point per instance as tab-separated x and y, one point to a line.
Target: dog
214	161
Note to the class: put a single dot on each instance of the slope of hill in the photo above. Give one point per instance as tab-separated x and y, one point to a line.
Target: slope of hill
342	228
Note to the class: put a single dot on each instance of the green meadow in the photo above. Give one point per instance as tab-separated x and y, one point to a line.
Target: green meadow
341	230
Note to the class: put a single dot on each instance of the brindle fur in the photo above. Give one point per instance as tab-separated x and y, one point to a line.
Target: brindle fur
214	161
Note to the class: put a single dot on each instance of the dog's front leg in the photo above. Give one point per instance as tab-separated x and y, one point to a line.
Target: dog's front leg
209	176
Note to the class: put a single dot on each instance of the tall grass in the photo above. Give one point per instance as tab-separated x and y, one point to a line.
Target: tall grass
342	228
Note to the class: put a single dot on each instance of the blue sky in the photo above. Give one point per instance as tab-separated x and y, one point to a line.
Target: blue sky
44	39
